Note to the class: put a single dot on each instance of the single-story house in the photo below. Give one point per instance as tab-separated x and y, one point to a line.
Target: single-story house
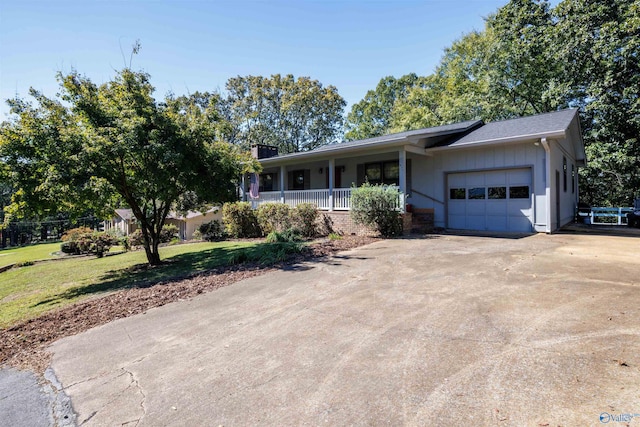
124	222
518	175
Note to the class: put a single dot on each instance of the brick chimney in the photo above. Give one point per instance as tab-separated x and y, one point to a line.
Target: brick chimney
260	151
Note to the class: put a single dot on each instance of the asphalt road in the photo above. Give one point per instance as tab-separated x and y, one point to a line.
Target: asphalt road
27	400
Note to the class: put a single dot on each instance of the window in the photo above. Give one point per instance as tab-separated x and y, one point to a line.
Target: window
497	192
298	179
477	193
373	173
564	172
391	172
266	181
383	172
457	193
573	178
519	192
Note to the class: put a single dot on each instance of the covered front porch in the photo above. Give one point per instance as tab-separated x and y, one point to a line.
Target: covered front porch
328	182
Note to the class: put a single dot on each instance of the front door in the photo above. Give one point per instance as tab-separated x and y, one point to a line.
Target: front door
337	177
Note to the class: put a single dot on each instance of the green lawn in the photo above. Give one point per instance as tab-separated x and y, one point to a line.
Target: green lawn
28	291
28	253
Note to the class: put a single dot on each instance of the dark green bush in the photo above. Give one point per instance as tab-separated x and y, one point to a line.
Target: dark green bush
290	235
169	232
375	206
305	217
212	231
240	220
273	217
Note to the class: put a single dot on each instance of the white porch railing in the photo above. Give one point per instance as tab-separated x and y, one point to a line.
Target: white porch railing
319	197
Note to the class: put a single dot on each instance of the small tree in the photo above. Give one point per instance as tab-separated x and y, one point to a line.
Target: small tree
376	206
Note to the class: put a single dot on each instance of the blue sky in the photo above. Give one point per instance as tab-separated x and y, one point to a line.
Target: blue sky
192	45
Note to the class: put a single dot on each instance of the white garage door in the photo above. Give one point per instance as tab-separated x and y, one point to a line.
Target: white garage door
498	200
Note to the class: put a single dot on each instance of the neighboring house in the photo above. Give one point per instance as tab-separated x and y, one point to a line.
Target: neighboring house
124	222
516	175
189	223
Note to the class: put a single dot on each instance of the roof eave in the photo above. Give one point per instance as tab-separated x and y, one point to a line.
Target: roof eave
328	151
507	140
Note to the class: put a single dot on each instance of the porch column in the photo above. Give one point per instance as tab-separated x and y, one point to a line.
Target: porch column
283	172
402	161
243	190
332	169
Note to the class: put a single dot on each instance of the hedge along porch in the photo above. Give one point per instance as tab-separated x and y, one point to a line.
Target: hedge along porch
515	175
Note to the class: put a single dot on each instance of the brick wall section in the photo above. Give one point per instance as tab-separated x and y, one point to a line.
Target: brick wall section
422	221
342	223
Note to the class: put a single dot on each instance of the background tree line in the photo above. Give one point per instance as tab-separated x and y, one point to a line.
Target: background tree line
531	58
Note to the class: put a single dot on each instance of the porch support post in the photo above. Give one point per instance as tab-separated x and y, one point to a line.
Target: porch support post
402	161
243	190
283	172
547	178
332	169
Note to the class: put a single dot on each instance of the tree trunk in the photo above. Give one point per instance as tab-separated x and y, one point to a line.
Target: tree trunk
153	256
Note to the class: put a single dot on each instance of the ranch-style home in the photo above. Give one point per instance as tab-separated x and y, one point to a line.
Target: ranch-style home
518	175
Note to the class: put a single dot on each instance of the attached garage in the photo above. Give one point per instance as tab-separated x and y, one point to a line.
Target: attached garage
492	200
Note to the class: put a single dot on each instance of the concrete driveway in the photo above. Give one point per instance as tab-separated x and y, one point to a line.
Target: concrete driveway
449	330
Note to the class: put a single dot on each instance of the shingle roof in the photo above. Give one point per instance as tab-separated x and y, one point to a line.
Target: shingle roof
541	124
125	214
422	133
411	136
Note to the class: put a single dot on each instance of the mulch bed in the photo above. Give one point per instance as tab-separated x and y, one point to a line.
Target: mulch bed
24	345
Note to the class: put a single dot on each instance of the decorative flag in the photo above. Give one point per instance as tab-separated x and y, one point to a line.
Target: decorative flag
254	187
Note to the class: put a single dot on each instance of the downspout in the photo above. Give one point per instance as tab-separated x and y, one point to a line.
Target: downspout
547	159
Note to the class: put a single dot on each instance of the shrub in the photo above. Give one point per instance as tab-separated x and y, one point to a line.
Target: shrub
305	217
375	206
136	239
211	231
334	236
288	236
84	241
240	220
73	234
70	239
273	217
168	233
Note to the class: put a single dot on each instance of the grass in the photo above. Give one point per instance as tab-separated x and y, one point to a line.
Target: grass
28	253
29	291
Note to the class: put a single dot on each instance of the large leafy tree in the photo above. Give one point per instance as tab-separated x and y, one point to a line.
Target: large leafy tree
599	43
291	114
532	58
373	114
98	141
